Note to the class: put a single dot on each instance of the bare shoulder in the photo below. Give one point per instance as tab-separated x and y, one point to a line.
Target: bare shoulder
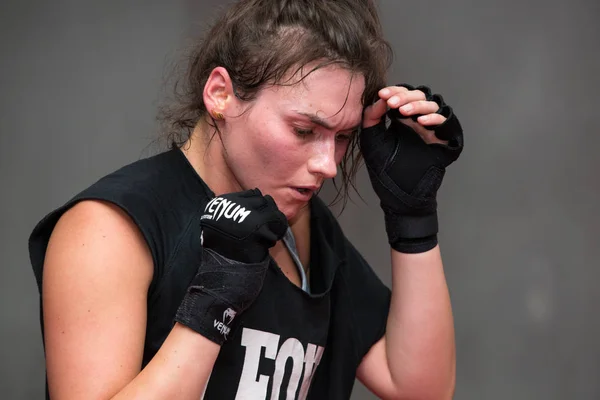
97	233
97	272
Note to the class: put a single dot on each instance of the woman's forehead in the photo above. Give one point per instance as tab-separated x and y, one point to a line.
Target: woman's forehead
329	89
324	78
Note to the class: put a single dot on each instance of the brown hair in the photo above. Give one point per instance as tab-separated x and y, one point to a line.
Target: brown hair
259	42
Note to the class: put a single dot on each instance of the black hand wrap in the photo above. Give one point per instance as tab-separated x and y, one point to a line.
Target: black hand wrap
237	231
406	174
242	226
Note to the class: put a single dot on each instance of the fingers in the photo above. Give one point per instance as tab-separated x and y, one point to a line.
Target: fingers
412	102
408	102
397	96
428	136
390	97
431	119
373	113
419	107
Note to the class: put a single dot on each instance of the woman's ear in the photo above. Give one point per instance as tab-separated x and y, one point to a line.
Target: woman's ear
218	94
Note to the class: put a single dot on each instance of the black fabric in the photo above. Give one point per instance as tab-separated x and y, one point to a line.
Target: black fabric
406	174
238	229
242	226
450	130
286	332
221	290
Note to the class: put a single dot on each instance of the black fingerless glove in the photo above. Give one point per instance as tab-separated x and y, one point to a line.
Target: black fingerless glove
237	231
406	174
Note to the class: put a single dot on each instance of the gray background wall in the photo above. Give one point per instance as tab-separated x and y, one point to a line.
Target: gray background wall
80	83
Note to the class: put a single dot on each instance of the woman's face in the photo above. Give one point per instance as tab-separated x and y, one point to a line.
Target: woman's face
292	138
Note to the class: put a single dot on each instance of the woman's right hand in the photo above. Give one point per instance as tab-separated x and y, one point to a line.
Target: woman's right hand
242	226
237	231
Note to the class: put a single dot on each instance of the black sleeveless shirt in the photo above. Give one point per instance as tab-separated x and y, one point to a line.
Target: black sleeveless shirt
289	344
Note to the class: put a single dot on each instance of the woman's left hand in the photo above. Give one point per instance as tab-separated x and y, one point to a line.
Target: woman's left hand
407	159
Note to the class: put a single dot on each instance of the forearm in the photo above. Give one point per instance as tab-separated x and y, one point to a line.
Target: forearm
179	370
420	329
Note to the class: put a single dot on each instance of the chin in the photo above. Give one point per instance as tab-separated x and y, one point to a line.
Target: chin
289	207
294	212
289	212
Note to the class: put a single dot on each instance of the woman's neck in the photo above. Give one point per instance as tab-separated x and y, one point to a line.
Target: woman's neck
204	151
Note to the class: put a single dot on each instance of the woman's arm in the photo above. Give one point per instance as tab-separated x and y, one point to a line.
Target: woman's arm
416	358
406	161
96	276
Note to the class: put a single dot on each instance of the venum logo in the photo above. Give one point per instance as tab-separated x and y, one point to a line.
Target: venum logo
220	207
223	326
228	316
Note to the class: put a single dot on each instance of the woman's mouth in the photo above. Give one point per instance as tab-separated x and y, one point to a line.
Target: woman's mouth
303	194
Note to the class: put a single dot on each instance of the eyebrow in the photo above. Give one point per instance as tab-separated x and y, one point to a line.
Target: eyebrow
321	122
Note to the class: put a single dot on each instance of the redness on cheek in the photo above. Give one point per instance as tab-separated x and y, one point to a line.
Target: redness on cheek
276	142
275	153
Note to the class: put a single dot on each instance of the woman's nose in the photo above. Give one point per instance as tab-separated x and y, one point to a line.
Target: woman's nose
322	160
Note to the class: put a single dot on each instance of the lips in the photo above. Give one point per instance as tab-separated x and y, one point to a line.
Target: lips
304	193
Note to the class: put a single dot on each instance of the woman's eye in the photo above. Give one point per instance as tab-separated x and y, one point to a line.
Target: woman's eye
303	132
343	138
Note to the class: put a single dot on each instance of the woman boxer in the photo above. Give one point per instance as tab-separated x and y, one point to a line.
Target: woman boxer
213	270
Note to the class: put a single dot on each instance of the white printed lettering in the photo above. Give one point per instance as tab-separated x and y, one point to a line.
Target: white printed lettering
254	341
222	328
312	360
231	211
242	213
291	348
251	388
214	202
221	209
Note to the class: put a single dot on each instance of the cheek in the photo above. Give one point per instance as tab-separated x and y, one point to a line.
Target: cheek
276	150
269	148
278	146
